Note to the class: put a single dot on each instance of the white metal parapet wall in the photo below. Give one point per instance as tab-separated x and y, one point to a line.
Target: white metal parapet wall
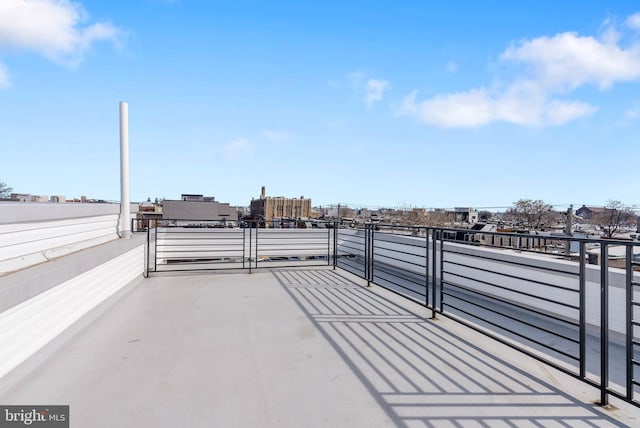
28	326
34	233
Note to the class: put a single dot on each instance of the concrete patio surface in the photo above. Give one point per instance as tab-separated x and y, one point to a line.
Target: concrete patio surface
303	347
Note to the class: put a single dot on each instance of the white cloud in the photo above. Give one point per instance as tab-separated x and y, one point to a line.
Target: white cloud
566	61
546	68
275	136
53	28
4	77
375	90
634	21
479	107
237	147
467	109
609	34
631	114
560	112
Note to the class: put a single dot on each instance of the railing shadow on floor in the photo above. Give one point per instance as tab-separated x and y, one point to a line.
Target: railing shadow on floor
420	373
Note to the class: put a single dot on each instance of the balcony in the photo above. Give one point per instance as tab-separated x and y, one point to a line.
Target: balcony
344	327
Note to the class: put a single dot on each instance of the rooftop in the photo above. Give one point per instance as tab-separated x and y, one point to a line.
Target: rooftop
436	327
295	347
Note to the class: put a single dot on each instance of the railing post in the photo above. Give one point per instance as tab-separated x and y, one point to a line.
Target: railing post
367	254
251	224
441	236
426	268
335	245
146	259
244	237
155	250
372	250
629	319
604	323
256	244
434	272
328	246
582	305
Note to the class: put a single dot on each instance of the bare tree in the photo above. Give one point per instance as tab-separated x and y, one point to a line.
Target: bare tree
416	216
347	212
438	218
613	217
529	213
5	191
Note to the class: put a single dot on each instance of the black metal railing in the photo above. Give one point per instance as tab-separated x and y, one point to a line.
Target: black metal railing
185	245
141	225
351	252
551	297
550	307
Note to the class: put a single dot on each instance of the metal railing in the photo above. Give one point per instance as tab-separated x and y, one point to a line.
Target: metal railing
187	245
140	225
541	295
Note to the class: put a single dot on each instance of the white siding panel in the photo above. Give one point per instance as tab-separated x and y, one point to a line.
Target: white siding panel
27	244
7	229
29	326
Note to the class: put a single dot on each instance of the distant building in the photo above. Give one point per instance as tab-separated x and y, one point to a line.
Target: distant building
21	197
194	197
588	212
148	215
464	215
27	197
270	209
243	212
147	207
198	207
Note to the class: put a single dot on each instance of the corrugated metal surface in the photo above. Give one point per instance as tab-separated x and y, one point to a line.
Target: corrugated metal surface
22	212
24	284
27	327
26	244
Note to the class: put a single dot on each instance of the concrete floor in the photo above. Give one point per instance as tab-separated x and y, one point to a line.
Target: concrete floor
292	348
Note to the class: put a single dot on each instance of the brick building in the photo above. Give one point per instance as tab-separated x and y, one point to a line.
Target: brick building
277	208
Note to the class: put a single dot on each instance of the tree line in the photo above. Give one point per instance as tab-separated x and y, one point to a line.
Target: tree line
530	214
536	214
5	191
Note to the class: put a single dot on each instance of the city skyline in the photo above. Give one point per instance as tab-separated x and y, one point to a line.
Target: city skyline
426	105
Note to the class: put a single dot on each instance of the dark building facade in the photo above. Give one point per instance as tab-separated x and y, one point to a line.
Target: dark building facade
198	207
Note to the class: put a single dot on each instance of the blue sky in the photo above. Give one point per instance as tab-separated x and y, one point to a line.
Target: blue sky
405	103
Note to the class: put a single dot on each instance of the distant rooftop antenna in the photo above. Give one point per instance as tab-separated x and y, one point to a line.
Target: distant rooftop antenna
124	227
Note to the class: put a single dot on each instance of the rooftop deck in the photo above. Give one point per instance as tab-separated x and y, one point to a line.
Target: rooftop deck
298	347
